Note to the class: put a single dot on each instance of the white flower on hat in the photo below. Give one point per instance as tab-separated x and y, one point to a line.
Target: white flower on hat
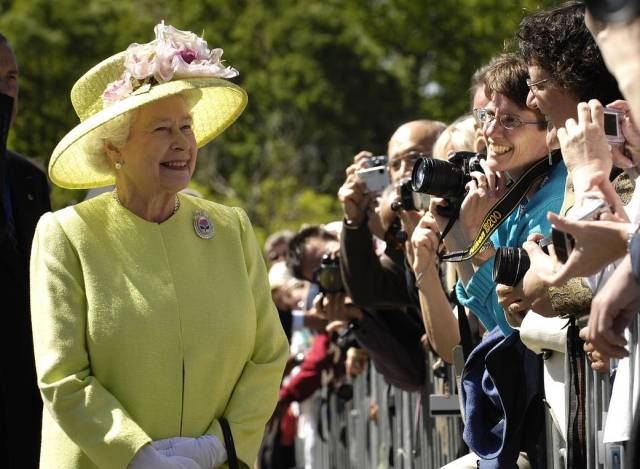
174	54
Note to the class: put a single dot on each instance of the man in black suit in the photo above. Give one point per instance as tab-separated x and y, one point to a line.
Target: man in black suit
24	193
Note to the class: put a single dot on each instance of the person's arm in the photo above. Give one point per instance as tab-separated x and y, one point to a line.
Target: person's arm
309	378
613	309
370	282
88	413
439	321
256	391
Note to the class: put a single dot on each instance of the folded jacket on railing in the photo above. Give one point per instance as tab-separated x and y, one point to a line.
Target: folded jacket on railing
502	394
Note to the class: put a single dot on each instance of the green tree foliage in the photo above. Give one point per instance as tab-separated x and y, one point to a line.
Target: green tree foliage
325	78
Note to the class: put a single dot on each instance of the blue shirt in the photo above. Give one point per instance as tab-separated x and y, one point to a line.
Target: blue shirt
530	217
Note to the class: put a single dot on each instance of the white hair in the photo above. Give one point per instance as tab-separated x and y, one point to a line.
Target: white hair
115	132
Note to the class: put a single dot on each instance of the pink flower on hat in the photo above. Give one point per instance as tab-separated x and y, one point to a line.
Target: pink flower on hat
174	54
117	90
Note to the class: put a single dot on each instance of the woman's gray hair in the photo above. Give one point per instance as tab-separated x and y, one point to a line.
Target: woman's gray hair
115	132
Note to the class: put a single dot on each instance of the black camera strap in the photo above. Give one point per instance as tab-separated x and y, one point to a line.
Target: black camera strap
503	208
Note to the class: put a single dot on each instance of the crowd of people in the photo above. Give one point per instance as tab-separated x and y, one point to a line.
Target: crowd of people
506	243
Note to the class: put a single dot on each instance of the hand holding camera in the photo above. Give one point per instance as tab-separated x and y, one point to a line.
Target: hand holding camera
336	307
627	155
425	242
584	144
353	195
519	287
376	174
583	245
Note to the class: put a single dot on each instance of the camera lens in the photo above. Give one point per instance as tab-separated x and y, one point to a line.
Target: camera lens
510	265
328	276
439	178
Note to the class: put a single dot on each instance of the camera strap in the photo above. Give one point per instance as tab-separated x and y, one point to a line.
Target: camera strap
503	208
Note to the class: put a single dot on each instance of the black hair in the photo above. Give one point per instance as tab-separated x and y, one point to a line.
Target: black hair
559	42
295	253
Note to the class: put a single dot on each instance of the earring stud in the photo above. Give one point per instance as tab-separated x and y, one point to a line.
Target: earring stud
118	165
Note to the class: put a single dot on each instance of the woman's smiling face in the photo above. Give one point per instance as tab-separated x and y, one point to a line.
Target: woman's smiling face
515	150
160	154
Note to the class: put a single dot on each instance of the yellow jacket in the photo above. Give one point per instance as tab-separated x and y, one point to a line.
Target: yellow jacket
145	331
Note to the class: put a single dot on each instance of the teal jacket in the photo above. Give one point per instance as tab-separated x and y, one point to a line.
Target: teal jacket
530	217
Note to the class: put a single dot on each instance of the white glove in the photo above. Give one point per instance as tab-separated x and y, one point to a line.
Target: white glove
208	451
148	457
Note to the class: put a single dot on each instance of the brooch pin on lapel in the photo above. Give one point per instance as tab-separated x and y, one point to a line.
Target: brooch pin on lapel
203	225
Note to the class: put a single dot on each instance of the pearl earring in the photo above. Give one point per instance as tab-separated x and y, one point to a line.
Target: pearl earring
118	165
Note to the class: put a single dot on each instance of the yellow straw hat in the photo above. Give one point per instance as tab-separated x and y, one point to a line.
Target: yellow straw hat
175	63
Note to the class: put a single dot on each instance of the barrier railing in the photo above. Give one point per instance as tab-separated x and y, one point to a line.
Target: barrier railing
382	426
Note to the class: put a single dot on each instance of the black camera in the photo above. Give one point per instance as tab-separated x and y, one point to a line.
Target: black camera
395	236
446	179
510	264
614	11
409	199
328	275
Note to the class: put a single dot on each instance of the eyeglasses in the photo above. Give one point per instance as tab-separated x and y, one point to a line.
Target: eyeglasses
508	121
409	159
535	85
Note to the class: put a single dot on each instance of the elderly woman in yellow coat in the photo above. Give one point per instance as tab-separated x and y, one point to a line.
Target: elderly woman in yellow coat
156	340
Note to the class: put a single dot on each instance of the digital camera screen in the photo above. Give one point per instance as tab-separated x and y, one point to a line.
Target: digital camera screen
611	124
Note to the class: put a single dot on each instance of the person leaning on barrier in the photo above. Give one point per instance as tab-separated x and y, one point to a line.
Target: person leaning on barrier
438	317
565	67
613	237
617	303
25	197
156	332
391	338
373	281
516	142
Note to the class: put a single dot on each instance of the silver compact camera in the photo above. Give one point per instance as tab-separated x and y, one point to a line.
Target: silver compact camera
613	125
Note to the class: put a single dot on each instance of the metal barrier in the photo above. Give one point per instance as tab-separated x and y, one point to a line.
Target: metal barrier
382	426
598	389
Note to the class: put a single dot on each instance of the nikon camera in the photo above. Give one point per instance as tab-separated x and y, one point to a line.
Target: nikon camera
446	179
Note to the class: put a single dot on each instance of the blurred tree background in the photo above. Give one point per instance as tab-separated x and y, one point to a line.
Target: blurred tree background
325	78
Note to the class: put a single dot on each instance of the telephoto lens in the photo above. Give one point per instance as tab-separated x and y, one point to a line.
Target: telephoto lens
614	11
509	265
439	178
